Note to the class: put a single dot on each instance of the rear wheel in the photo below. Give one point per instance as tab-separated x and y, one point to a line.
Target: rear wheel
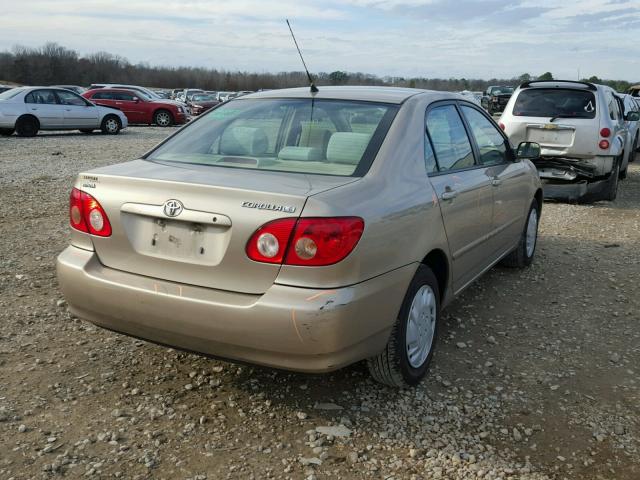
163	118
406	358
111	125
5	132
27	127
523	254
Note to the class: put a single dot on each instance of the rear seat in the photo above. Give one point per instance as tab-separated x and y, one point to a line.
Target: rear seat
314	136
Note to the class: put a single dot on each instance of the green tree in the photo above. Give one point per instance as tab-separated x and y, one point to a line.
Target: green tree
546	76
525	77
338	77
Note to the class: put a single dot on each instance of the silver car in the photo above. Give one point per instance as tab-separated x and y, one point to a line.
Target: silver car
26	110
304	231
582	130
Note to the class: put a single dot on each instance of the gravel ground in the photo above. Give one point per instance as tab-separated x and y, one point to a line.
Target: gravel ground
537	374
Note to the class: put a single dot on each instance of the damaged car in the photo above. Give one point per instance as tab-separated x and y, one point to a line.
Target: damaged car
582	130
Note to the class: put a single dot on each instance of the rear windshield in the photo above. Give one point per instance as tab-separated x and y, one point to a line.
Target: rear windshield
11	93
327	137
555	102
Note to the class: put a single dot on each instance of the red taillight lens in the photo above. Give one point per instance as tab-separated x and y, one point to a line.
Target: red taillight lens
323	241
309	241
87	215
604	144
269	243
502	126
605	132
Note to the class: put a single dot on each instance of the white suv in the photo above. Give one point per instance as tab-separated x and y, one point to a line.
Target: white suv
582	131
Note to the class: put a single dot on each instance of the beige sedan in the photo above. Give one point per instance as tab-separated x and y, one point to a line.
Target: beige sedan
304	231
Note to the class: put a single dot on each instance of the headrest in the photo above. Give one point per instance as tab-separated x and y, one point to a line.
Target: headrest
300	153
243	141
347	147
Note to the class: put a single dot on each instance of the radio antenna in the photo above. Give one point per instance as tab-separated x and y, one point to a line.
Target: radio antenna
312	85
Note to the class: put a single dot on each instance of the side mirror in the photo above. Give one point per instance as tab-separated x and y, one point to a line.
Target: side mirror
136	100
528	151
632	117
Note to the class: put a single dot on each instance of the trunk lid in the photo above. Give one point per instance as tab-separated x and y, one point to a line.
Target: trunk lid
204	244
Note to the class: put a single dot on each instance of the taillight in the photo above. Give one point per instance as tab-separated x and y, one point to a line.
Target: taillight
605	132
87	215
309	241
323	241
502	126
269	243
604	144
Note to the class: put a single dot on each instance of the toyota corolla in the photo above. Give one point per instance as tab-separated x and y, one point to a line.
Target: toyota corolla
302	230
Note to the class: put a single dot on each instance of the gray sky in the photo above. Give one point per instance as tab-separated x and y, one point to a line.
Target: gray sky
431	38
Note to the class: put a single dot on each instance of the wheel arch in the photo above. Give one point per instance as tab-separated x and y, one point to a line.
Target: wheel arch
438	262
538	197
28	115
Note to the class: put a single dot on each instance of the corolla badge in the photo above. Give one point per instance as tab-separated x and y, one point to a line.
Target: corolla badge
269	206
173	208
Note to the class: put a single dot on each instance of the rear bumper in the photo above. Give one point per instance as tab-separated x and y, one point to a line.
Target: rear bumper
287	327
574	191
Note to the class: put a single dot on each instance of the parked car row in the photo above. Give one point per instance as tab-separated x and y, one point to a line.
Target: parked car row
588	134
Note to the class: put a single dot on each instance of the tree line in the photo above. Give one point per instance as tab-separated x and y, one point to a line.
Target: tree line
53	64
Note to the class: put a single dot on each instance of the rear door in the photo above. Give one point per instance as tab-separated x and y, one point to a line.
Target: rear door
508	178
78	113
44	105
464	190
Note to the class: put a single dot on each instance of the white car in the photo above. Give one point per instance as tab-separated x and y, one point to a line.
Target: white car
26	110
582	130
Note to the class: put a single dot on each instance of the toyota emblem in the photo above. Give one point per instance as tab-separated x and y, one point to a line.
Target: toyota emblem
173	208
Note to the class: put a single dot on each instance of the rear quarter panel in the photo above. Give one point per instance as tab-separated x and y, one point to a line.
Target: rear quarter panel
397	202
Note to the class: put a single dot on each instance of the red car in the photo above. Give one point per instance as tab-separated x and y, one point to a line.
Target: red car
201	102
139	108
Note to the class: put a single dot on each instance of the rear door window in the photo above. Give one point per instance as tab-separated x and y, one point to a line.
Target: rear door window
555	102
449	137
42	97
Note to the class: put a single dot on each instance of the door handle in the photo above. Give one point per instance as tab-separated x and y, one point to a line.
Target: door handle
68	109
496	182
449	194
34	109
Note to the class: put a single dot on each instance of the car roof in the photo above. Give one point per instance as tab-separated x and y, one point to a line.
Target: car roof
112	89
358	93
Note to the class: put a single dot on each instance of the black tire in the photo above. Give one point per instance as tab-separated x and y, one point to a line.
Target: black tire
636	149
111	125
392	366
611	191
6	132
163	118
86	130
522	255
27	126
